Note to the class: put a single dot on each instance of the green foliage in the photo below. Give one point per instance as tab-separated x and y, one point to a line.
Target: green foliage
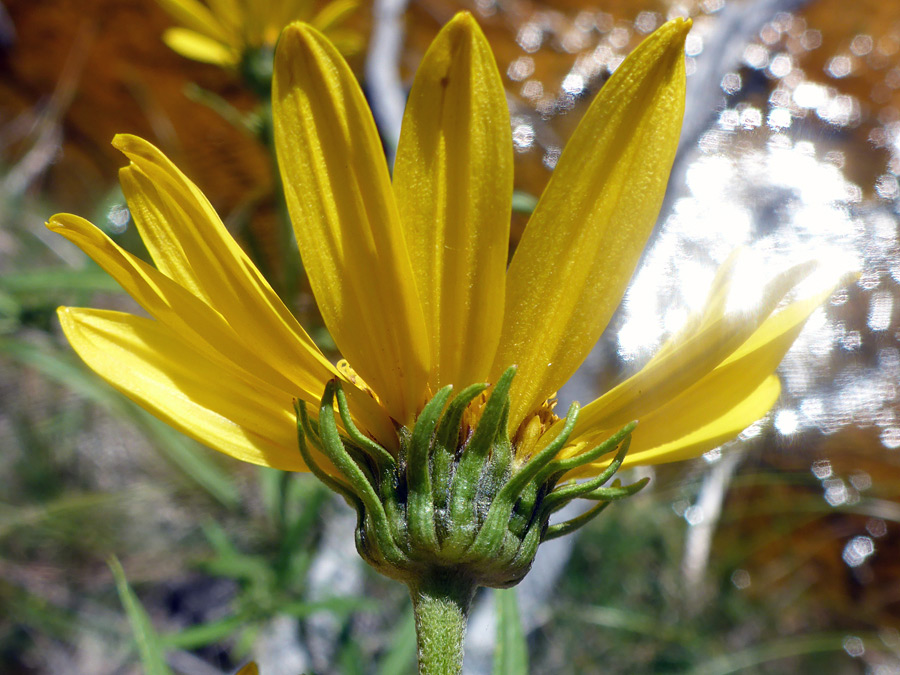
151	652
511	650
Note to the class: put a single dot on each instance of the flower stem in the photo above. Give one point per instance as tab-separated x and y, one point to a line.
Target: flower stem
441	602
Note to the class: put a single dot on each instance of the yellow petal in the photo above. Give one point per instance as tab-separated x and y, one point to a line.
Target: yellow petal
226	9
249	669
723	400
778	332
228	12
190	245
687	360
197	47
185	314
284	12
227	409
586	235
716	430
453	179
728	384
197	17
348	42
340	200
714	433
332	14
713	308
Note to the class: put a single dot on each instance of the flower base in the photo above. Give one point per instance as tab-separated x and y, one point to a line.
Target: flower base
457	500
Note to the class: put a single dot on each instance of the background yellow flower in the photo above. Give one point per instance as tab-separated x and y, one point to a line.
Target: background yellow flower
222	32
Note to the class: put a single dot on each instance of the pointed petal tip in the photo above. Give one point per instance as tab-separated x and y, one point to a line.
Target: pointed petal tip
676	31
292	28
54	223
299	31
127	142
679	26
299	42
61	223
73	313
463	26
133	146
67	316
673	32
463	19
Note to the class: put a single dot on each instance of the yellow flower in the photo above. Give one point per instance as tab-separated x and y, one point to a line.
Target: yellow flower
410	273
221	32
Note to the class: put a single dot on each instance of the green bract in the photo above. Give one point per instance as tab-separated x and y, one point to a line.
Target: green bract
457	500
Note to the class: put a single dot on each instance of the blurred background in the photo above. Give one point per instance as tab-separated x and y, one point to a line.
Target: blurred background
777	553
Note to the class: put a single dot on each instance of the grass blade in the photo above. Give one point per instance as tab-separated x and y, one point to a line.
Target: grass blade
151	654
511	651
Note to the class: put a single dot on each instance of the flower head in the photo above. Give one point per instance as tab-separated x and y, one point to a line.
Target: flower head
225	32
410	274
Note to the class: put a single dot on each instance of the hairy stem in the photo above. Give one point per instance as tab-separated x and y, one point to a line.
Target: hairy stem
441	602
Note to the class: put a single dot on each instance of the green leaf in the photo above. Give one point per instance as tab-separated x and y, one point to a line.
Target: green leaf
351	659
194	637
340	606
54	280
149	649
511	652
